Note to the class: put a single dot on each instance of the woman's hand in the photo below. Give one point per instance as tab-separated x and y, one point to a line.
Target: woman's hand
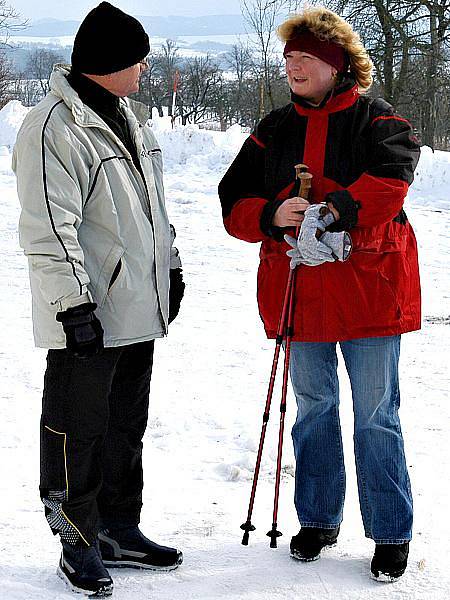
290	213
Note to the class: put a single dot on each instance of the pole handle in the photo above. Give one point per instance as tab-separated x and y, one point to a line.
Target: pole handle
301	173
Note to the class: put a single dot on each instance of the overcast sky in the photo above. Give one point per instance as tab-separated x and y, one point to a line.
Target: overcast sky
77	9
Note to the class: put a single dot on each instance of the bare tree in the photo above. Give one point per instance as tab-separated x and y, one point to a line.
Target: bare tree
223	102
40	65
198	78
27	91
240	64
407	40
239	61
261	17
9	21
167	65
5	80
437	15
383	26
158	80
152	89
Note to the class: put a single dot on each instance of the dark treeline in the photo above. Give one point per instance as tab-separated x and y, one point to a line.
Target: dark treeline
408	41
224	90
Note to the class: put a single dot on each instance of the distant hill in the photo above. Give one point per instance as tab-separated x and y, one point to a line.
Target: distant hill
50	28
165	27
159	26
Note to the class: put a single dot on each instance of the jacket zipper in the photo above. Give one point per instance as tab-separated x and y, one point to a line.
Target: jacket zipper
147	195
141	178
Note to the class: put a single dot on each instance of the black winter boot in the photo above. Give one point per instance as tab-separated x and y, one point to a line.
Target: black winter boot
128	547
310	541
389	561
81	568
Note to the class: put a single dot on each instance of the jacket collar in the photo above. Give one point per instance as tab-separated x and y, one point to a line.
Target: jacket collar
83	115
92	94
342	96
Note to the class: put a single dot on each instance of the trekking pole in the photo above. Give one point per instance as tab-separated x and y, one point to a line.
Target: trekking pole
305	185
248	526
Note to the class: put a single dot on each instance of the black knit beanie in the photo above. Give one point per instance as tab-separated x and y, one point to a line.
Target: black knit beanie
107	41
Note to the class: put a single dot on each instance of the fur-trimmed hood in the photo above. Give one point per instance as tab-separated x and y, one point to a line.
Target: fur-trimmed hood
329	26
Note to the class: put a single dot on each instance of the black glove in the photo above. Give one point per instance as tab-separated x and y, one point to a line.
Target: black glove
176	292
347	208
84	332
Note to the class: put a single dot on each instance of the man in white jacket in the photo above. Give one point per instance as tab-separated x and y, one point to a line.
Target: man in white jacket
95	230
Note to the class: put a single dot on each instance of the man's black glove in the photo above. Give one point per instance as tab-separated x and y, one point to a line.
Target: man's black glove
176	292
84	332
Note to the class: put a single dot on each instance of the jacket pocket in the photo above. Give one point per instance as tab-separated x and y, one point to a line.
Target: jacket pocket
115	275
376	287
385	238
108	274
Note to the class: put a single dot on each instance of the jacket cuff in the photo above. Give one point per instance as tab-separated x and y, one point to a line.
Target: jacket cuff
266	219
347	208
70	302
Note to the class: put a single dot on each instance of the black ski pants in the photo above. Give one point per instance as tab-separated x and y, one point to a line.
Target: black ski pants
94	416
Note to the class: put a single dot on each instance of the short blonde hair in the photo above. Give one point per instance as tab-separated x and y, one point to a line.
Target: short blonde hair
328	26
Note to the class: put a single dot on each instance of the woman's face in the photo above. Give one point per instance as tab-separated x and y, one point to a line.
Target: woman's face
308	76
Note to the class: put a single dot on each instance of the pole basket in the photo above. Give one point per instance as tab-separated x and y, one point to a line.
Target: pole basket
247	527
274	534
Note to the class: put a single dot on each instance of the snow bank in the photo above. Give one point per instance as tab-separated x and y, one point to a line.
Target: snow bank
192	146
205	151
431	185
11	117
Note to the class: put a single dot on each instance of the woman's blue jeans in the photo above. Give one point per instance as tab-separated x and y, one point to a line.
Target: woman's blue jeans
383	482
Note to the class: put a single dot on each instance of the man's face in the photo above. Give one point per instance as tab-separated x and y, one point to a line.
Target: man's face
122	83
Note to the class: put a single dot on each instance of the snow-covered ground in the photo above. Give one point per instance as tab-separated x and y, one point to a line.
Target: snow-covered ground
183	42
207	399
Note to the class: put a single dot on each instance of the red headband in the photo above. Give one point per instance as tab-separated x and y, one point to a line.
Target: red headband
329	52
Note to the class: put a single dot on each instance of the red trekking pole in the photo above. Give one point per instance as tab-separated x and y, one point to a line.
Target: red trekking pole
284	331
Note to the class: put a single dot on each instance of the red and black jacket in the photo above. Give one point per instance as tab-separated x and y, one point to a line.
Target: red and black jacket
361	154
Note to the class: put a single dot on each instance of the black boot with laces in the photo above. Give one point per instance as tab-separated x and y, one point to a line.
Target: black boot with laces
82	569
389	561
310	541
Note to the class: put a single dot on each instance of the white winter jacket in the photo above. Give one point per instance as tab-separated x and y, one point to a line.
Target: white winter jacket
87	210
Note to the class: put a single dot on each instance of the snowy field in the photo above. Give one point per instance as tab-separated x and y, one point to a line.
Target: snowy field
183	42
207	399
67	40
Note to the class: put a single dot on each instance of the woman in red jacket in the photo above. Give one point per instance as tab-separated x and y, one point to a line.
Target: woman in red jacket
362	157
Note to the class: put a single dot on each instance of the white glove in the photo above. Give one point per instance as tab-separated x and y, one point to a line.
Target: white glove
298	259
322	213
340	244
312	251
293	254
